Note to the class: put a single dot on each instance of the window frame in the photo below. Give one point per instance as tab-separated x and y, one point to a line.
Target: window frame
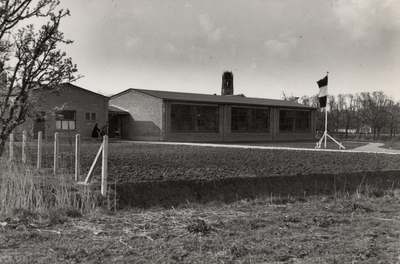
90	117
65	124
194	118
245	121
294	122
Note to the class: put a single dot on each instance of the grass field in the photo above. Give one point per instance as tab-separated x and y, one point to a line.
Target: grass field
325	229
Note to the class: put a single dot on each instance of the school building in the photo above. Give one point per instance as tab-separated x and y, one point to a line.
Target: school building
139	114
188	117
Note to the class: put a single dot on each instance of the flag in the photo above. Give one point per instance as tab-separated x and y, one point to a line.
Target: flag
323	91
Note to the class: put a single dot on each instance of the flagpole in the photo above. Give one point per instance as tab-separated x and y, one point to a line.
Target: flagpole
326	116
325	135
326	124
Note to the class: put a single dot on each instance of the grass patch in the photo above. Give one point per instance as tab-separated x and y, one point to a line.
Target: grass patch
28	193
348	229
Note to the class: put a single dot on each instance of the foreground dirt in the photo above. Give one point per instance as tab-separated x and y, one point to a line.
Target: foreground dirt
318	230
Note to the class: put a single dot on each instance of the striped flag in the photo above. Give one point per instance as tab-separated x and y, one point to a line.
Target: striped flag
323	91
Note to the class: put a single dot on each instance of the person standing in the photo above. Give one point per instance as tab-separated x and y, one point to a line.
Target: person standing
104	130
95	132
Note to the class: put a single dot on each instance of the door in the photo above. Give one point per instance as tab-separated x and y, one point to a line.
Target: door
39	125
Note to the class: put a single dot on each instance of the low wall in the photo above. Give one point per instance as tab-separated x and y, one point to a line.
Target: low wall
172	193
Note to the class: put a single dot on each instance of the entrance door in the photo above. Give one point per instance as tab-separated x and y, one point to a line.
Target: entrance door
115	126
39	125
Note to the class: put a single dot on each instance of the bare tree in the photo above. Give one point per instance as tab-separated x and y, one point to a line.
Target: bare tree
361	109
393	117
377	105
29	58
333	113
346	106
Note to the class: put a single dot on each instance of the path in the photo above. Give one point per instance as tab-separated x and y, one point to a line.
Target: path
376	148
371	147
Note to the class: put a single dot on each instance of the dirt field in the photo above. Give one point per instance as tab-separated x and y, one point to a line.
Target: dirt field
358	226
129	162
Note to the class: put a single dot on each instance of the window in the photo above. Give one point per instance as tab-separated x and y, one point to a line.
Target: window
294	121
249	119
66	120
90	117
194	118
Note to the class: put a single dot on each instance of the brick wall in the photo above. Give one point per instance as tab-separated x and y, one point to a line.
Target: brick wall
76	99
150	120
146	115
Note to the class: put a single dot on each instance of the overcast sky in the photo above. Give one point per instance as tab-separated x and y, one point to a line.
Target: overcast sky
271	46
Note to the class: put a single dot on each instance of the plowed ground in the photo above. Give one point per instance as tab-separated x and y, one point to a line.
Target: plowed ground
358	227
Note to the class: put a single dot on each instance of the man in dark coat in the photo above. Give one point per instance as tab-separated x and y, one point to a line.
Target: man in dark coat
95	132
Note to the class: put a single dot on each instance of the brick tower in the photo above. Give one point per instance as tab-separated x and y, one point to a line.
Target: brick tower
227	83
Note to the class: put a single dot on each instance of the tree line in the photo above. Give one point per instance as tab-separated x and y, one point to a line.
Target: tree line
362	113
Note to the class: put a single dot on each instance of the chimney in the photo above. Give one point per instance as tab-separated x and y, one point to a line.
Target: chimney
227	83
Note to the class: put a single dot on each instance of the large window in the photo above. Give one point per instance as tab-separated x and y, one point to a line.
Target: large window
294	121
194	118
66	120
249	119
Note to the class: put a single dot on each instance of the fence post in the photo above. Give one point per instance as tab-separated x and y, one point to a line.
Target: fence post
12	147
39	151
24	146
77	156
104	166
56	151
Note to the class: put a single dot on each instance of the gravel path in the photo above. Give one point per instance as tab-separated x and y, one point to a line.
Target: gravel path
376	148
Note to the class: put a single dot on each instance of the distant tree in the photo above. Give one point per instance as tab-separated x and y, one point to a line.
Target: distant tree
333	113
290	98
361	112
378	116
393	111
29	58
346	106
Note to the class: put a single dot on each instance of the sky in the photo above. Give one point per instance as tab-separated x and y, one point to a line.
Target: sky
272	47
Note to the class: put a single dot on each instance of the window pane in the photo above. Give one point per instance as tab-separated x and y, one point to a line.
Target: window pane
58	124
71	125
207	118
64	125
182	117
249	119
194	118
294	121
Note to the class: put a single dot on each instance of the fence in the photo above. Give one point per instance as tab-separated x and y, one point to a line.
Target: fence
66	155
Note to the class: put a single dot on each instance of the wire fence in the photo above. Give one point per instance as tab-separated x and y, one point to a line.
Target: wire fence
58	156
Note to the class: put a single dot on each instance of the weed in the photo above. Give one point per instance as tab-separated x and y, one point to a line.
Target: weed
25	192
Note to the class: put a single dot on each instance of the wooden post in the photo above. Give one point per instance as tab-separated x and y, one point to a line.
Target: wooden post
56	152
12	147
24	136
104	166
77	156
91	170
39	152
